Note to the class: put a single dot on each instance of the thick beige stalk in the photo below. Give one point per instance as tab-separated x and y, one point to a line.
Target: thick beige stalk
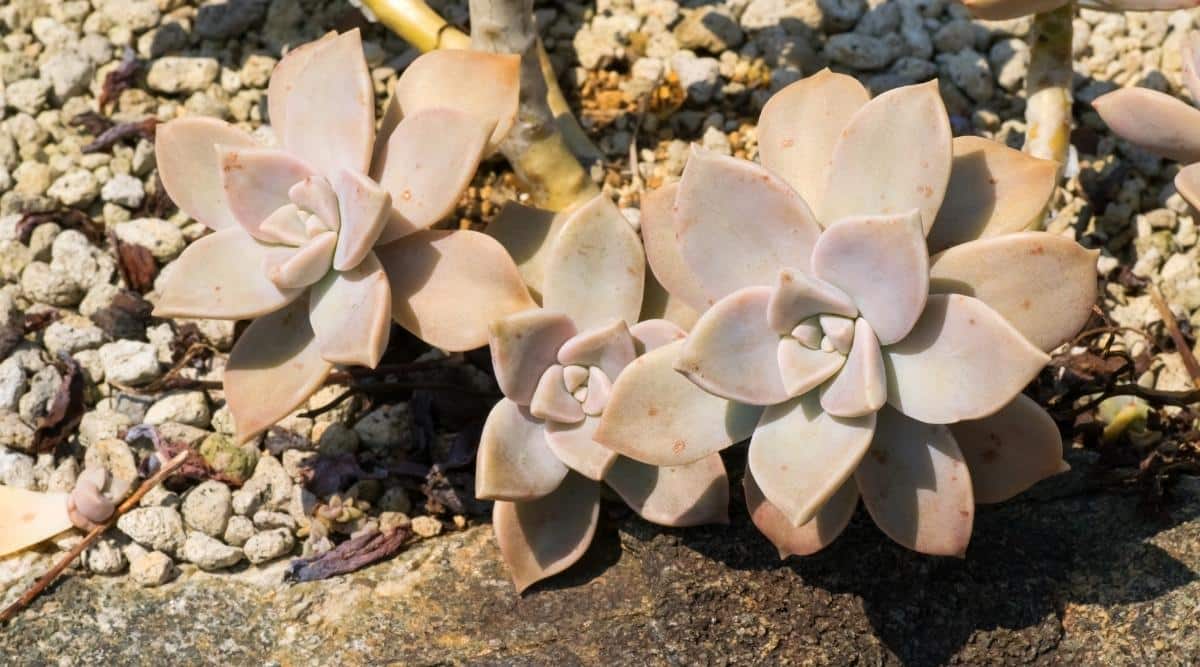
1048	86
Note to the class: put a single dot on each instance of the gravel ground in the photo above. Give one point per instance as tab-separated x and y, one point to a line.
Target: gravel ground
649	76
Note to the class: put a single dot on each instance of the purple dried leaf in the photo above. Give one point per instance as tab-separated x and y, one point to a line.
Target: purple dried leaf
142	129
66	408
120	78
349	556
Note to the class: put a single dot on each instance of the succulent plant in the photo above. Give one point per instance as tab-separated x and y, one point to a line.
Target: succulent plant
1160	123
326	239
876	369
999	10
556	365
30	517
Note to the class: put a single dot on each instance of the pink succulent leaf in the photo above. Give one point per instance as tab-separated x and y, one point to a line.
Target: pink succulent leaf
274	367
688	495
552	402
185	150
364	209
483	84
659	304
223	276
315	194
528	234
798	296
915	483
799	126
656	416
838	330
1002	10
1187	182
663	253
808	539
329	117
285	226
30	518
542	537
284	79
351	314
739	224
392	115
1042	283
803	368
514	462
574	445
431	157
733	352
962	360
860	387
1154	121
609	347
650	335
893	156
523	346
448	286
257	182
306	264
1190	53
596	269
882	263
1010	451
801	455
598	394
994	190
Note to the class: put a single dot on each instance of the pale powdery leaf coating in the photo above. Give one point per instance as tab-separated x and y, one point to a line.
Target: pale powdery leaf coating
543	537
30	517
527	233
994	190
803	368
448	286
1191	63
596	270
284	226
552	402
1153	121
257	182
650	335
800	125
284	78
274	367
363	210
1000	10
1043	284
523	346
738	224
961	361
798	296
662	248
351	314
655	415
800	455
315	194
185	151
893	156
916	486
1010	451
808	539
1187	181
860	387
658	304
574	445
688	495
598	392
304	265
514	461
609	347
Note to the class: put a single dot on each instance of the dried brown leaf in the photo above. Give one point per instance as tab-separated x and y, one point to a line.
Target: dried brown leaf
136	264
66	408
120	78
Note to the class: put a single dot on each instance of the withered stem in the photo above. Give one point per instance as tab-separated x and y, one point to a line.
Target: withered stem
1048	86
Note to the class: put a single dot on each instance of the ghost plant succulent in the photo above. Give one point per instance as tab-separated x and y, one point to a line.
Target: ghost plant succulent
325	239
556	365
1160	123
879	370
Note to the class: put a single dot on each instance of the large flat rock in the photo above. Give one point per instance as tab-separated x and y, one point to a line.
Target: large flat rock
1081	578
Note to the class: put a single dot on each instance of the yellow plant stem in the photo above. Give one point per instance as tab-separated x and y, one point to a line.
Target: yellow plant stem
1048	86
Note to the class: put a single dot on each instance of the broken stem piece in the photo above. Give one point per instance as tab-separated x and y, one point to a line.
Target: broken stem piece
1181	344
45	580
1048	86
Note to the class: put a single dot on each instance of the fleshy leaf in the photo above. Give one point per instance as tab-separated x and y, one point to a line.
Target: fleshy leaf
527	234
552	402
1043	284
882	264
799	126
30	517
916	486
599	391
574	445
514	462
961	361
800	455
658	304
802	368
596	269
316	195
284	79
523	346
363	209
656	416
893	156
688	495
652	334
223	276
306	265
430	160
663	253
185	150
351	314
484	84
1187	182
860	388
275	366
739	224
448	286
284	226
257	182
610	347
808	539
798	296
839	331
1190	53
1010	451
1153	121
733	352
543	537
1002	10
994	190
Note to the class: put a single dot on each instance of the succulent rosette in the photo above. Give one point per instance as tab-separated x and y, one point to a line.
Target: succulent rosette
1160	123
556	366
880	371
325	239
